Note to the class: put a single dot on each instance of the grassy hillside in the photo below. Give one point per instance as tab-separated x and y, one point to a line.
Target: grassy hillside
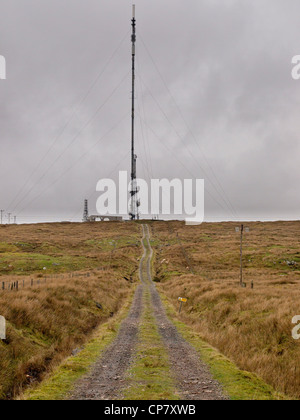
75	267
251	327
83	274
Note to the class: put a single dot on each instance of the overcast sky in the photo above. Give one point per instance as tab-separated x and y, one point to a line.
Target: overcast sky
215	100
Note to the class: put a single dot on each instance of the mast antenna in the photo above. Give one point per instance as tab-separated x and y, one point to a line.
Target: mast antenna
134	211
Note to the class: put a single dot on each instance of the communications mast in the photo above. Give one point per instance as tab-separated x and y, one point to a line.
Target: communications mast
134	210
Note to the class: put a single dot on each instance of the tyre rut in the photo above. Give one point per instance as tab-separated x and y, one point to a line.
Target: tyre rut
107	378
193	379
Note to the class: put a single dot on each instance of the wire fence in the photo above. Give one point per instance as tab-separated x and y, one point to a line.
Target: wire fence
16	285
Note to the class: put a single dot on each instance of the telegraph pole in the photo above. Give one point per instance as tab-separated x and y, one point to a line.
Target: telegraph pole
241	263
242	230
8	215
1	211
134	214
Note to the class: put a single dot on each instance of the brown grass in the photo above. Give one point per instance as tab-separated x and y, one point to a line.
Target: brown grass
48	321
252	327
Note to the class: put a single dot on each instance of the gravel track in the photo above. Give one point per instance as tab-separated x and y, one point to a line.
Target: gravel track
193	378
107	378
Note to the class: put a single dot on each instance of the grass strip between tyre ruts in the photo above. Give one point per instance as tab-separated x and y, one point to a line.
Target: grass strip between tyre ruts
149	377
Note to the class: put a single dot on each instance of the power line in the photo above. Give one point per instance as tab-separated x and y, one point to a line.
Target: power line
143	138
56	139
226	199
170	150
94	192
75	163
72	142
144	133
182	141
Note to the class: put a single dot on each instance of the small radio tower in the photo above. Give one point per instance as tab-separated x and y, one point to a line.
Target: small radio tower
86	211
134	211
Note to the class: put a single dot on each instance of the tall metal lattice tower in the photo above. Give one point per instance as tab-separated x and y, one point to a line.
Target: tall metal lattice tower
86	211
134	210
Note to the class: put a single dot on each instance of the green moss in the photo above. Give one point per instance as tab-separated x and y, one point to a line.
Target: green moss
111	244
5	247
29	263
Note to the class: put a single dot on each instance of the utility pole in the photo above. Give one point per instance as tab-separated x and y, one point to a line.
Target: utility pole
242	229
8	215
15	220
1	211
134	213
241	263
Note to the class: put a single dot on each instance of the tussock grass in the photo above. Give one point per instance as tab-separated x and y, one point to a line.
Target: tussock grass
47	322
236	383
59	384
251	327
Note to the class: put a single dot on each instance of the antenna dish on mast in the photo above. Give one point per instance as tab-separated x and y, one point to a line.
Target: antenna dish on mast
135	204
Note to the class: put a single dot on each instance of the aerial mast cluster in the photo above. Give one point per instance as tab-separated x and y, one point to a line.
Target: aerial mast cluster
134	211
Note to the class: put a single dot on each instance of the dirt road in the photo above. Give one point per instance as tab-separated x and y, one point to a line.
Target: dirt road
107	379
192	377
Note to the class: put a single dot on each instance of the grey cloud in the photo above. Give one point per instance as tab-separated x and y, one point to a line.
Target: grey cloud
227	65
